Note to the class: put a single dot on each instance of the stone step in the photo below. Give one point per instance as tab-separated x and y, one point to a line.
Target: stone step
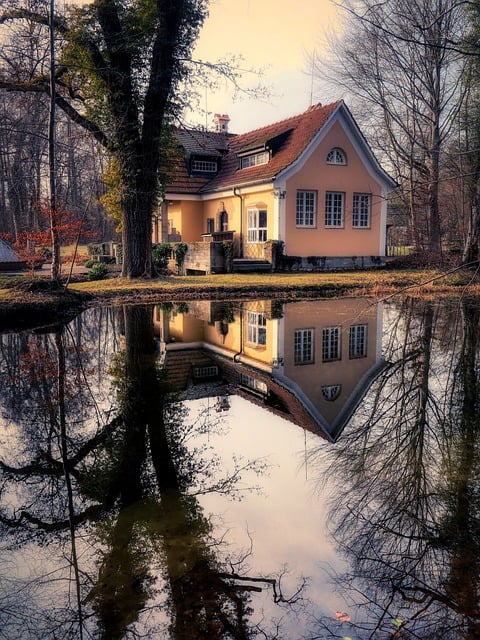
245	264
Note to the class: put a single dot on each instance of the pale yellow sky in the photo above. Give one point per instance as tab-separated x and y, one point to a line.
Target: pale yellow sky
278	36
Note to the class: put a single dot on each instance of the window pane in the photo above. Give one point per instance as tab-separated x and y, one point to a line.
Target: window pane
306	208
255	159
336	156
208	166
357	347
361	210
257	225
331	344
331	392
334	209
252	383
303	346
256	328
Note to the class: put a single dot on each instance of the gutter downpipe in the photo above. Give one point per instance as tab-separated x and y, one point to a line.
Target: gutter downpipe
241	221
239	353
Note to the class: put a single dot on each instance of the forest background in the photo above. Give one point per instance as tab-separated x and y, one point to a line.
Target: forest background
125	73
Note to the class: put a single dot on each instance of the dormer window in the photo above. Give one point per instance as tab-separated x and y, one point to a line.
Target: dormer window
336	156
204	166
254	159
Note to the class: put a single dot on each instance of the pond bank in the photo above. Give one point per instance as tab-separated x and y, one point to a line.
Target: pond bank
24	303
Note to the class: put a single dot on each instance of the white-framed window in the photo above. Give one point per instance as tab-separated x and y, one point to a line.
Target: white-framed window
252	383
357	342
205	371
256	225
254	159
361	210
336	156
331	344
205	166
334	208
306	208
256	328
331	391
304	346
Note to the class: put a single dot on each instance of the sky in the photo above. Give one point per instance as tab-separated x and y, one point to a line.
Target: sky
279	36
284	522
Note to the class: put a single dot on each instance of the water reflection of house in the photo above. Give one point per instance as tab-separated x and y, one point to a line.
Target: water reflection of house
310	362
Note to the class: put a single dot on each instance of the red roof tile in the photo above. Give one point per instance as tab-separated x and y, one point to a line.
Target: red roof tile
288	138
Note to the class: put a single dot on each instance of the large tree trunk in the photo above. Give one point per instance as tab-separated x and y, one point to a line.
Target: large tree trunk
137	237
471	249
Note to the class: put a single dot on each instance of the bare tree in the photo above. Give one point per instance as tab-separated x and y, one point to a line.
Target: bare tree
121	68
24	144
406	476
397	61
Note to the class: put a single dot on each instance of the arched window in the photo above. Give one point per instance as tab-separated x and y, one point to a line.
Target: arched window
331	392
224	221
336	156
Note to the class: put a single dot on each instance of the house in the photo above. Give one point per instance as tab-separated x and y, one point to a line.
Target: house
9	261
310	184
309	362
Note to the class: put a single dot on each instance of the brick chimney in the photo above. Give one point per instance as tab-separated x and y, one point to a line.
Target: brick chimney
221	122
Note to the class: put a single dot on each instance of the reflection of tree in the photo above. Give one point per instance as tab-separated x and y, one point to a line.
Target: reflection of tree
460	528
407	514
132	478
205	601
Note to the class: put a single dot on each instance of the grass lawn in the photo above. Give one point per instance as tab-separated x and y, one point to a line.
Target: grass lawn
353	282
21	289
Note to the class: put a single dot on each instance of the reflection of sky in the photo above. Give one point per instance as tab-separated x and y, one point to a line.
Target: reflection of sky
287	520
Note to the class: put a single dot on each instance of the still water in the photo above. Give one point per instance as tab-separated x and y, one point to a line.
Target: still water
243	469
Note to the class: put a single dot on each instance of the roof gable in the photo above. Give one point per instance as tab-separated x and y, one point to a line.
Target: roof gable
6	252
288	142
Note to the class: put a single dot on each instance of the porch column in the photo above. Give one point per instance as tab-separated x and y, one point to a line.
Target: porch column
279	212
164	221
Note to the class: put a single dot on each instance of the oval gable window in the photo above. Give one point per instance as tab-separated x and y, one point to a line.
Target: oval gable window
331	392
336	156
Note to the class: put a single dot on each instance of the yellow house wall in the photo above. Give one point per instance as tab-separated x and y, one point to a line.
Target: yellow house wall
236	339
213	208
262	353
351	178
237	208
346	371
261	200
231	342
186	218
187	328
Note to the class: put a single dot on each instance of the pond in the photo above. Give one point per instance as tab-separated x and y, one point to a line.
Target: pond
243	469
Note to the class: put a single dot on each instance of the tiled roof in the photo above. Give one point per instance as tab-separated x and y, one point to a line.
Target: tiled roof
287	138
203	142
182	182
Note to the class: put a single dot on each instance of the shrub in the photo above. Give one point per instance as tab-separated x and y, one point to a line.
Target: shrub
161	254
228	255
181	249
98	271
90	263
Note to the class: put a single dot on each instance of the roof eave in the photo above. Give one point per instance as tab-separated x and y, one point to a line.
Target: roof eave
239	185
